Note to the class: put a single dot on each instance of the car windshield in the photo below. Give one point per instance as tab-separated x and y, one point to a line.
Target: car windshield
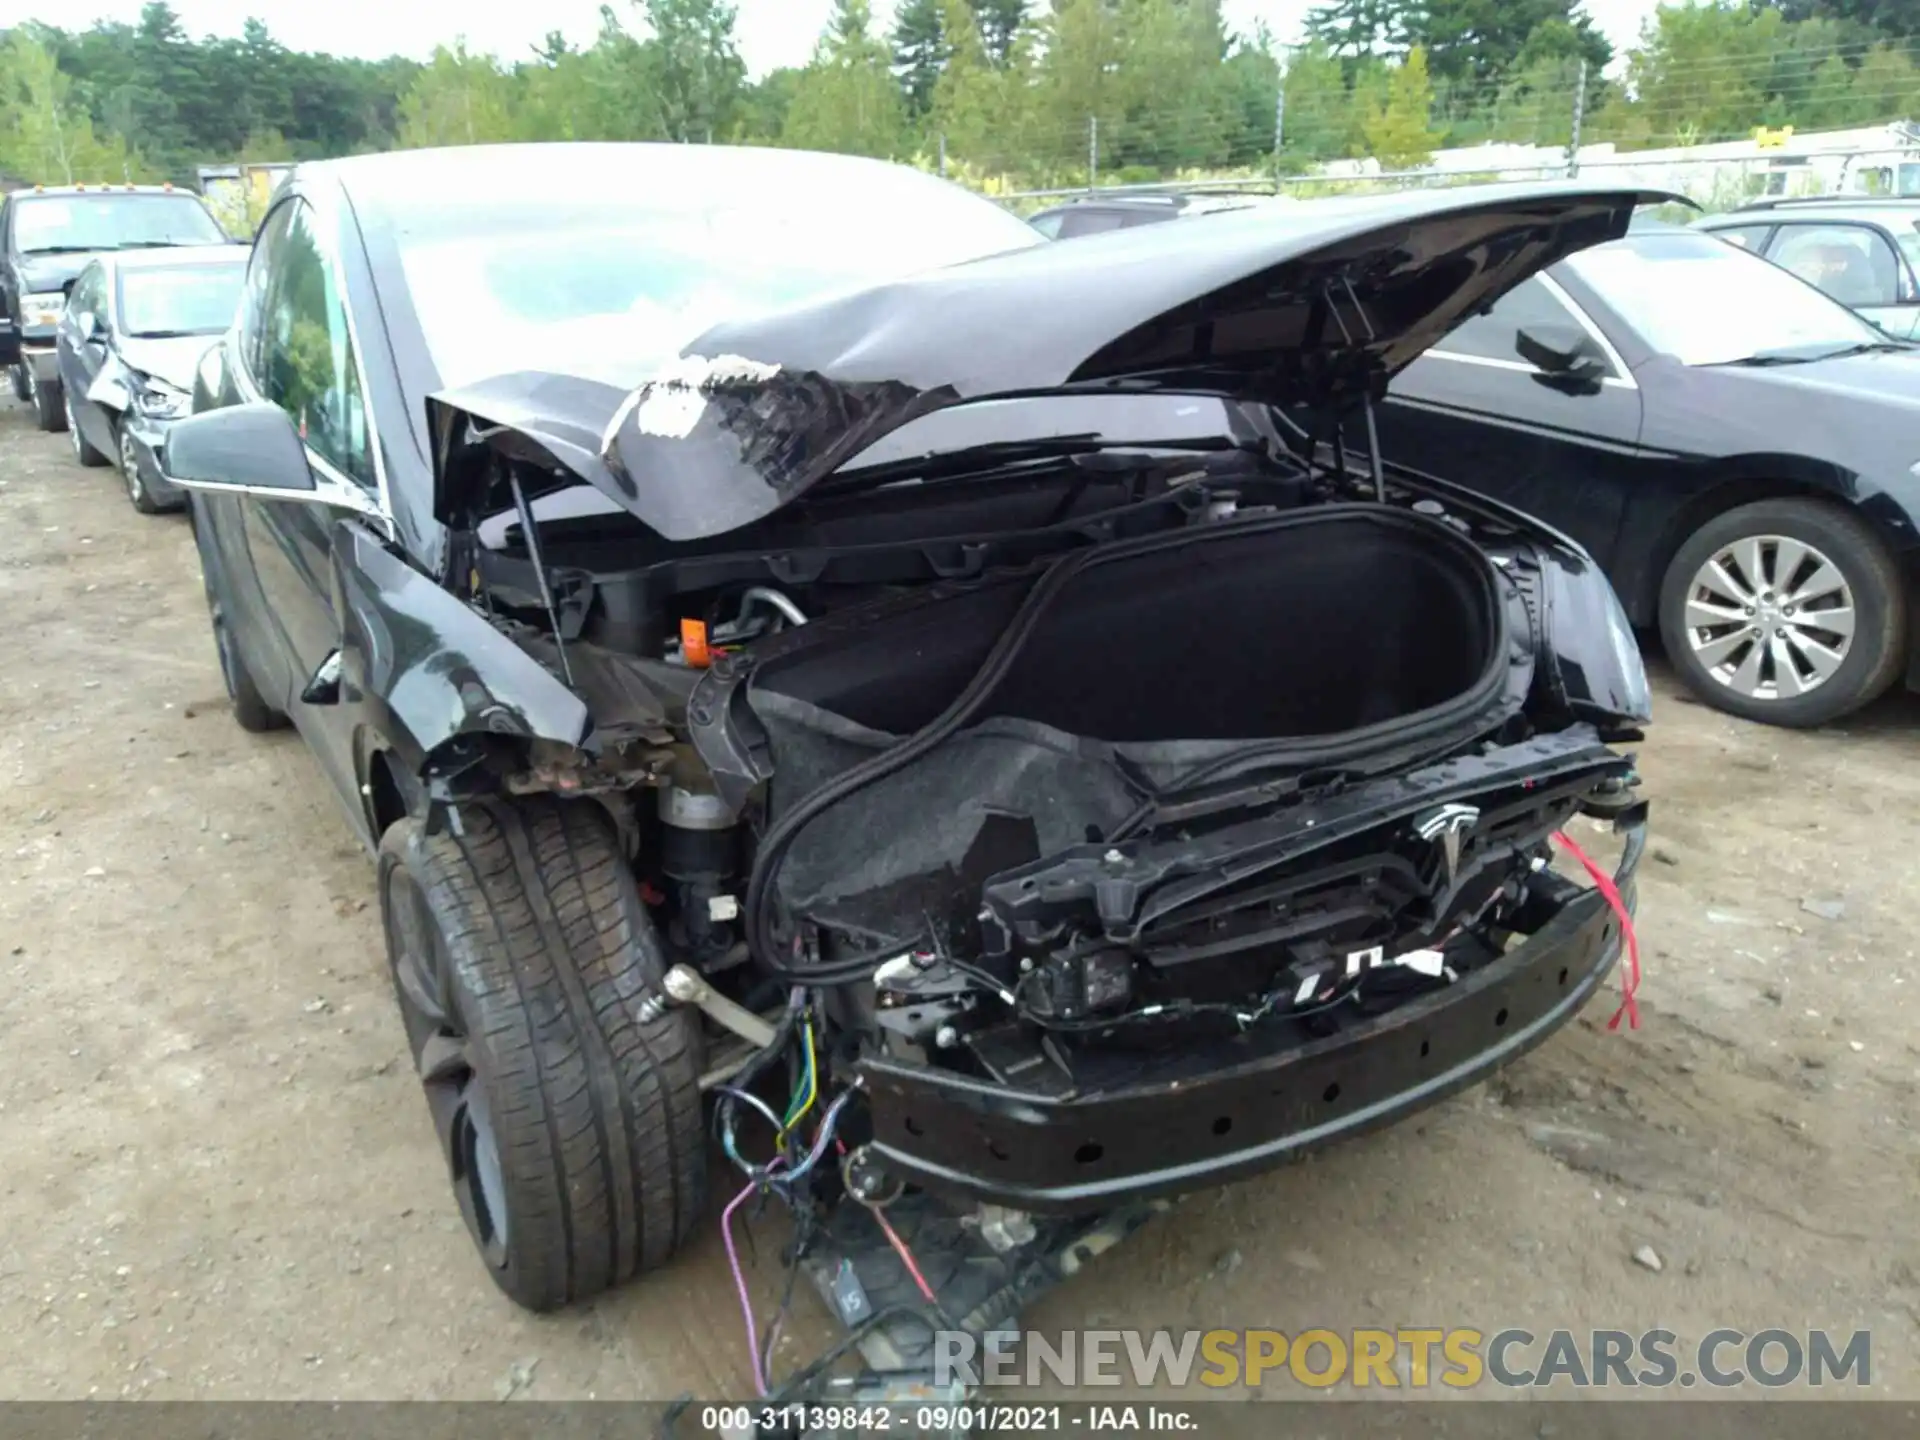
43	223
1708	303
180	299
601	277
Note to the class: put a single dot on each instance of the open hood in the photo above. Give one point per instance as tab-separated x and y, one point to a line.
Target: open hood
1316	305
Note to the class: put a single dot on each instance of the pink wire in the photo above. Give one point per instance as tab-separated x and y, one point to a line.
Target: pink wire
906	1255
740	1284
1630	972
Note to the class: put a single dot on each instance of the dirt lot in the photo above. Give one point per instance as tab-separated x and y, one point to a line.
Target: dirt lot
217	1178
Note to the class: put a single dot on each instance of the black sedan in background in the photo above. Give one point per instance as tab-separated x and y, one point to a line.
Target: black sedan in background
1738	451
134	330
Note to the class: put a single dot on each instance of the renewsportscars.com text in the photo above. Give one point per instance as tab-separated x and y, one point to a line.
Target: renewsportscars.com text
1407	1359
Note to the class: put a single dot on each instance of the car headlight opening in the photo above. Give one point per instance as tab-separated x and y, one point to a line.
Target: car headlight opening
158	400
39	312
1590	642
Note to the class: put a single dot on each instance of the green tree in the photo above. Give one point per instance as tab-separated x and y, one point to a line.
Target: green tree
1083	45
46	134
1885	85
919	51
1533	105
764	105
1899	19
552	99
191	101
1399	129
846	100
1477	42
616	99
1700	72
1000	23
1249	83
1169	108
969	102
459	99
1351	29
694	67
1322	122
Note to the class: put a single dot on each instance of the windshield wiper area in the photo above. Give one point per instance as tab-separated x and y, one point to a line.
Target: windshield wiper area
941	464
62	249
1805	357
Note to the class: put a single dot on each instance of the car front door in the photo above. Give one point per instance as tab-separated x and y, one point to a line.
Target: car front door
307	363
1475	410
1858	265
80	349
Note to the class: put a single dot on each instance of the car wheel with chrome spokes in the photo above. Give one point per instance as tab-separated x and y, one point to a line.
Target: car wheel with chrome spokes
137	491
1788	611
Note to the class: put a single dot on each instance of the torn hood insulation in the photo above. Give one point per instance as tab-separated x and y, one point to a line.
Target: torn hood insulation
1314	307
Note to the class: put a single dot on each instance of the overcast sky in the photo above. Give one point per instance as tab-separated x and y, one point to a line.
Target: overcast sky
771	32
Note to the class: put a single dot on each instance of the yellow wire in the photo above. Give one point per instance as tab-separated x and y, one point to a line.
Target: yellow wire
813	1086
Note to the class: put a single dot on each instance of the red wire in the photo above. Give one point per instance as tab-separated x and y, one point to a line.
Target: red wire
1630	973
906	1255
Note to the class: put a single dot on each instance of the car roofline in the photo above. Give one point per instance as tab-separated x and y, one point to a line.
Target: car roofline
1812	202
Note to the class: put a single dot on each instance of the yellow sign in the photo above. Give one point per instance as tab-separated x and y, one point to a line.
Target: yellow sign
1772	139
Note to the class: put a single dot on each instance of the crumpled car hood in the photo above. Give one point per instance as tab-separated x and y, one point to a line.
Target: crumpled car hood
174	359
1312	307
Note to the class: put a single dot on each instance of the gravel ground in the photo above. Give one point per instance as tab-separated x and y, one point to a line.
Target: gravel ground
219	1181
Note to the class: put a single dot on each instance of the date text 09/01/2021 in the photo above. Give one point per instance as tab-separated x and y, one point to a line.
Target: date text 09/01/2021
945	1419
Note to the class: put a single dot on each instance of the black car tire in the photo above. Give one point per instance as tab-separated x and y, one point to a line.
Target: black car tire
250	708
22	387
49	409
565	1094
1879	642
83	449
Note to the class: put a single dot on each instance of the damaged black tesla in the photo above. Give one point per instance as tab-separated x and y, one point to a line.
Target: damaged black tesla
989	734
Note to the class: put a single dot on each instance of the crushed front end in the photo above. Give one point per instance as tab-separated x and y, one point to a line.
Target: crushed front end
1388	969
1047	827
1097	915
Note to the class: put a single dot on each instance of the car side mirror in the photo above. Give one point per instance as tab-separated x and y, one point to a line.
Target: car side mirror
1562	353
245	449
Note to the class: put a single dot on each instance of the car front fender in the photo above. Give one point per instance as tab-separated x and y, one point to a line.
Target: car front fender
426	670
110	389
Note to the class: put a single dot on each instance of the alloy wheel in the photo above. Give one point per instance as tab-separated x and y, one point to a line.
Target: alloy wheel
445	1060
130	468
1770	617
